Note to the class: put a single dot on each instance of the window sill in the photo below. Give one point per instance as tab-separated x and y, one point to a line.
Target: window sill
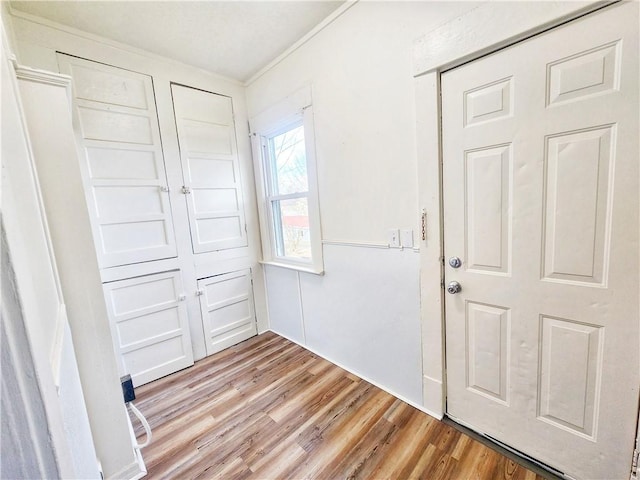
292	266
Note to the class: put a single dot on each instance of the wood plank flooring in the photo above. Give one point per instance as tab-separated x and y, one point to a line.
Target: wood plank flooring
269	409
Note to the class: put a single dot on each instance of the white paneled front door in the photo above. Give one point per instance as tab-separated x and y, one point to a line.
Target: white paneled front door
226	302
541	204
123	165
209	156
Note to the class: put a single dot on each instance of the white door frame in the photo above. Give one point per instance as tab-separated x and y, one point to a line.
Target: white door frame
483	30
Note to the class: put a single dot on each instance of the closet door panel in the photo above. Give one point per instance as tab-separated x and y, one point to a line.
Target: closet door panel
227	308
114	126
123	165
119	163
112	87
209	158
149	324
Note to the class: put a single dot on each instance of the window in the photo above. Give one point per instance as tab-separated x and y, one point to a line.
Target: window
288	193
290	219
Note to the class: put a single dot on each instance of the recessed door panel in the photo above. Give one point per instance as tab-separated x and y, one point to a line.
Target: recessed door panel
209	157
121	202
217	200
123	166
163	322
122	127
577	217
208	108
219	229
127	238
488	102
216	172
541	198
570	367
488	350
230	317
146	293
207	138
487	212
144	361
121	88
587	73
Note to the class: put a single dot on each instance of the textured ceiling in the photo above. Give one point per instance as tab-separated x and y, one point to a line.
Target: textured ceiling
234	38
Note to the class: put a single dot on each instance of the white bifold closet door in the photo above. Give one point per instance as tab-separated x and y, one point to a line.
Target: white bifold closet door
150	326
226	302
123	166
209	156
541	205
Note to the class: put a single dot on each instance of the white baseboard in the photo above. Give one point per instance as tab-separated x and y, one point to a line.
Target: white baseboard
133	471
136	470
433	396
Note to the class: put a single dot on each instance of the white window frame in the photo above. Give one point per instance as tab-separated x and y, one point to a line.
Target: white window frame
294	111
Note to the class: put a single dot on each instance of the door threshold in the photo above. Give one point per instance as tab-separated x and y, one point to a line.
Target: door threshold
523	459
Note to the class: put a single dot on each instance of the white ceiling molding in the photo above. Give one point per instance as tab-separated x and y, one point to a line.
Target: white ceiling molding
317	29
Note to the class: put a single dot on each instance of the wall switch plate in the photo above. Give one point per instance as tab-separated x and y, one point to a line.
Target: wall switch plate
393	236
406	238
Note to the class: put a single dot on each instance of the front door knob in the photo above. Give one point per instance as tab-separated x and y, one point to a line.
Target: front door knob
454	287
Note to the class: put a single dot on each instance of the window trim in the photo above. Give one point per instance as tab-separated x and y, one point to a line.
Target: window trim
267	127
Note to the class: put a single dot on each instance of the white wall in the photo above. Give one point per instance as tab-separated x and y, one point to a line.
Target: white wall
25	452
360	69
337	316
44	408
8	36
365	312
48	120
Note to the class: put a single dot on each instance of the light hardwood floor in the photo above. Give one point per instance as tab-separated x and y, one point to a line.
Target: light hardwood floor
269	409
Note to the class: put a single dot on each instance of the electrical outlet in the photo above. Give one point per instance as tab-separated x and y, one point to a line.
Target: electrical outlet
127	389
393	236
406	238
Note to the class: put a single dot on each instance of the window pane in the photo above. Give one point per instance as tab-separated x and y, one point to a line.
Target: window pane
289	162
291	227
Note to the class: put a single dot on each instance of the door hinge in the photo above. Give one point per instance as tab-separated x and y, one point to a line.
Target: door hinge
634	462
185	190
199	293
164	188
